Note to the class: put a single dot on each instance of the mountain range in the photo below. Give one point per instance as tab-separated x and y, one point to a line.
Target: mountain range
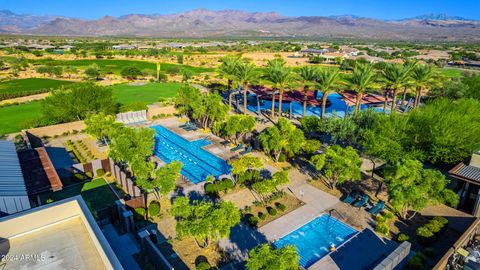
202	23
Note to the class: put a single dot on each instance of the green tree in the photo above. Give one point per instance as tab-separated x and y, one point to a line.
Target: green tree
131	145
186	75
92	72
328	81
131	72
238	125
423	78
227	70
307	76
162	180
245	163
267	186
283	137
338	164
204	221
362	79
265	257
410	187
100	125
395	77
186	99
76	102
280	76
245	75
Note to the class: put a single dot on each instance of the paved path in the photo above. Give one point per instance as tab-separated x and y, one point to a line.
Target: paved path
124	247
316	202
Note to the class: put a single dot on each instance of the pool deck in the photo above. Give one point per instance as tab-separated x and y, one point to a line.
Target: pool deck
316	202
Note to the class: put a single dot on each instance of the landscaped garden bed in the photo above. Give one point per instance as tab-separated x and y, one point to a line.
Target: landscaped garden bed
261	213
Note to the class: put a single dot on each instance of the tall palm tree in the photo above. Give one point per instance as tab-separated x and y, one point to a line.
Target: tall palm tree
423	77
395	77
362	78
307	76
328	79
245	74
280	76
227	70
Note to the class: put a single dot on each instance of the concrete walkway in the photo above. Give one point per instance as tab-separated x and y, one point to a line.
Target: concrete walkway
316	202
124	247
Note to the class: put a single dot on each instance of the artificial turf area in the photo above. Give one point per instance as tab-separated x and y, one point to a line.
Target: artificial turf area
148	93
25	87
12	118
115	66
96	194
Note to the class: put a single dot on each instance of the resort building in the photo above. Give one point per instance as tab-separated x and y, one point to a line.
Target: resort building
60	235
13	192
468	173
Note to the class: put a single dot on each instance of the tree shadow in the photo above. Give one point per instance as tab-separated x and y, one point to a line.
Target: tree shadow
242	239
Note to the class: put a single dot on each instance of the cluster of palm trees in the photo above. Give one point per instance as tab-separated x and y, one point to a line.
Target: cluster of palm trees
389	77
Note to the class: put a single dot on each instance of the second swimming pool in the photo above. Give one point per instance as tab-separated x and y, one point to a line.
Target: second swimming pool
314	239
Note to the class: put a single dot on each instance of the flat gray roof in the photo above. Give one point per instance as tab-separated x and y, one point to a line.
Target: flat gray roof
11	177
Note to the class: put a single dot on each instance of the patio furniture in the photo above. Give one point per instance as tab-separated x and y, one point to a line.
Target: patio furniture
225	143
363	200
350	197
184	125
377	208
191	127
236	148
246	151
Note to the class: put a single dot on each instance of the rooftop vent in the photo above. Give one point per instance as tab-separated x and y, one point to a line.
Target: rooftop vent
475	160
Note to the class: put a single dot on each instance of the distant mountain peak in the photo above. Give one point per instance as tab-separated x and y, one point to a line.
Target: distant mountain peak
439	17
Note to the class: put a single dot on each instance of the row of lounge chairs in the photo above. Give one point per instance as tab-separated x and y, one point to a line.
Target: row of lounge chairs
358	201
132	117
247	149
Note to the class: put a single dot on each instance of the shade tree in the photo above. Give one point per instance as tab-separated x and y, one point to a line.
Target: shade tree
264	257
338	164
204	221
282	138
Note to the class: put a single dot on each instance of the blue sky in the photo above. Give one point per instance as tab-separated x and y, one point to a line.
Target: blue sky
382	9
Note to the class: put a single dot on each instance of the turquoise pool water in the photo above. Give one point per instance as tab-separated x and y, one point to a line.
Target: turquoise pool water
197	162
313	239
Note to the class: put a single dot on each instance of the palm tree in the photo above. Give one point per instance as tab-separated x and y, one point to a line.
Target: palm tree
307	75
362	78
327	80
280	76
227	70
423	77
245	74
395	77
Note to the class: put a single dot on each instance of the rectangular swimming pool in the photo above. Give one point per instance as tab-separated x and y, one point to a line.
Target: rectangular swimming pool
197	162
313	240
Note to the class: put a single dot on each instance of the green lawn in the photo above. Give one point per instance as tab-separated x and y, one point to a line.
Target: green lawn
24	87
116	66
452	73
148	93
13	117
96	194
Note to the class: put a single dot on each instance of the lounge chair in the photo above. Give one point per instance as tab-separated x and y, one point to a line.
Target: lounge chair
363	200
377	208
225	143
190	127
246	151
184	125
238	147
350	198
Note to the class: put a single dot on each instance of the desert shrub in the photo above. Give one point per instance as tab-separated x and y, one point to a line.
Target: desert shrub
402	237
416	262
261	215
89	174
108	174
257	203
282	158
203	266
154	208
429	232
211	190
272	211
139	213
100	172
382	228
253	221
248	208
424	232
78	177
280	206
